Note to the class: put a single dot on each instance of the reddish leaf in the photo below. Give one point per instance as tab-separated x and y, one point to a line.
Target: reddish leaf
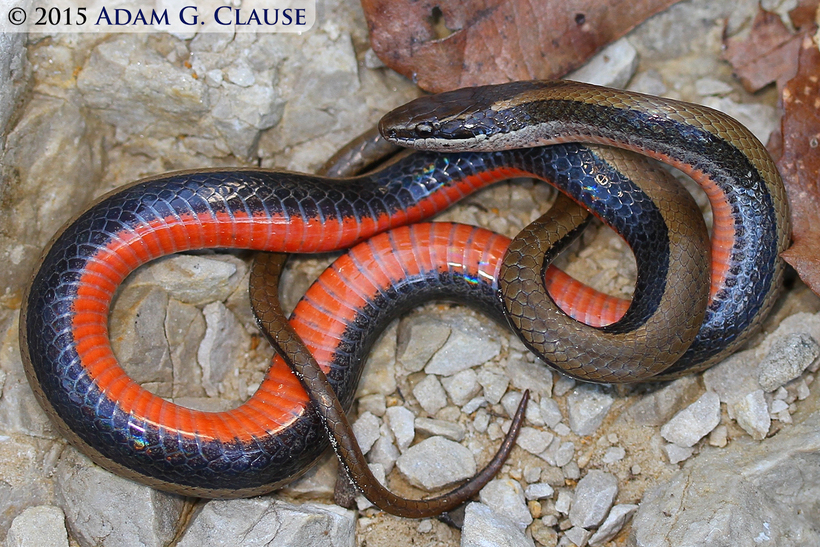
805	14
800	163
496	40
768	54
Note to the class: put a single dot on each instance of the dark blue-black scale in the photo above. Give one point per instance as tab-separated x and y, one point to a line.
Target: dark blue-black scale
159	454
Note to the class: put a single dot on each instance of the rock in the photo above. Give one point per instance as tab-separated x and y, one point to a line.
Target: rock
481	421
564	501
51	159
26	467
435	463
657	407
578	536
430	394
14	72
711	86
94	502
184	330
588	405
225	343
524	374
19	410
506	497
379	375
462	386
448	430
618	516
550	412
318	482
533	440
788	357
384	452
537	491
748	493
734	378
560	453
473	404
494	384
563	384
544	534
366	429
760	119
593	498
138	338
379	474
613	66
695	421
267	521
677	453
614	454
752	414
43	525
532	474
420	337
649	82
485	528
402	424
193	279
376	404
470	343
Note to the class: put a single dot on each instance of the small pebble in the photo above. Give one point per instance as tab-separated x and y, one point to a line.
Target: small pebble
571	471
462	386
430	394
693	422
752	414
577	535
481	420
677	453
484	527
564	502
532	474
719	436
588	405
788	357
494	384
614	454
538	491
425	526
402	423
534	440
506	497
613	524
366	429
550	412
448	430
435	463
473	404
593	499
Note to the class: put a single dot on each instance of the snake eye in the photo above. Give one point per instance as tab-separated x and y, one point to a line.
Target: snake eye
424	129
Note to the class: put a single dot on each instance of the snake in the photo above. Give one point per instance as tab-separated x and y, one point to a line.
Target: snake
276	434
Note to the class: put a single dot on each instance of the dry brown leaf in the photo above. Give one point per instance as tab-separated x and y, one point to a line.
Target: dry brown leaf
804	14
496	40
768	54
799	163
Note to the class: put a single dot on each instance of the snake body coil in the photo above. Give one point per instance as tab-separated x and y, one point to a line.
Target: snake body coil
274	435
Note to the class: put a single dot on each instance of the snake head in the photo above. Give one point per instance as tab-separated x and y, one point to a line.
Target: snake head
464	119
